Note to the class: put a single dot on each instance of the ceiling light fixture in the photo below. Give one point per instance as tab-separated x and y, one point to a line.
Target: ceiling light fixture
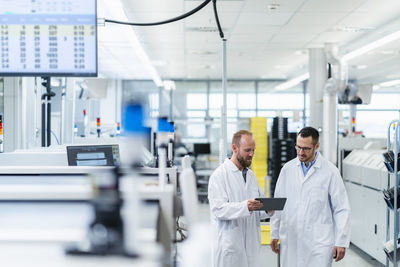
390	83
292	82
117	11
371	46
351	55
273	6
353	29
359	67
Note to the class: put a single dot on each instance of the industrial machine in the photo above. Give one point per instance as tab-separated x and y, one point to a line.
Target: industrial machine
365	177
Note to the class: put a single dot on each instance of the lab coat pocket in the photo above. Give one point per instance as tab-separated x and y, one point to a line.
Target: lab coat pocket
318	196
323	234
233	241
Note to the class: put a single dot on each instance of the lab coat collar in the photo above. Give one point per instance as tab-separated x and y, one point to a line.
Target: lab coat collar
230	165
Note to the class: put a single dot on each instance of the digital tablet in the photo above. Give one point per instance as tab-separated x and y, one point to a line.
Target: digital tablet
272	203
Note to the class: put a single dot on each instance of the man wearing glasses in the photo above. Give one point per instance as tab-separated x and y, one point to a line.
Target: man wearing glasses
314	227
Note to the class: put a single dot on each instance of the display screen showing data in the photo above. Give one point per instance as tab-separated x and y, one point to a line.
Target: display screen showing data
48	38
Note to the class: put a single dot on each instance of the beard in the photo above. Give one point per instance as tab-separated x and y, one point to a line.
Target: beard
307	158
243	162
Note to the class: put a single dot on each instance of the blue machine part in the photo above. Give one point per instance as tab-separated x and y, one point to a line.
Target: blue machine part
163	125
133	119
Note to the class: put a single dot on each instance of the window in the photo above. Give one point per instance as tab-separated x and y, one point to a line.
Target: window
196	130
280	101
196	114
247	101
216	102
196	101
375	123
382	101
196	108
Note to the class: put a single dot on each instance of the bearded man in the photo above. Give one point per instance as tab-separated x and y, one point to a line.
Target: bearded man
232	193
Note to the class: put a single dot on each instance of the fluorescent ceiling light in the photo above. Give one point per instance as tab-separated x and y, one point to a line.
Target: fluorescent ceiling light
292	82
389	83
359	67
118	13
353	54
371	46
353	29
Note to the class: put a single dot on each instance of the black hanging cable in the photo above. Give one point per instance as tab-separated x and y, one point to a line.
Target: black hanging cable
329	70
221	33
164	21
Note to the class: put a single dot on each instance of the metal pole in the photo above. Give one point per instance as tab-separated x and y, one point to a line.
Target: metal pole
223	115
208	121
304	102
171	104
256	89
396	214
43	131
62	117
48	121
388	187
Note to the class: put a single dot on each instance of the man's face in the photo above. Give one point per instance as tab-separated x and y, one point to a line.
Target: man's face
305	148
245	150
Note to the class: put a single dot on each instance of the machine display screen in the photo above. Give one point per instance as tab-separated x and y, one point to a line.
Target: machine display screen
91	159
93	155
48	38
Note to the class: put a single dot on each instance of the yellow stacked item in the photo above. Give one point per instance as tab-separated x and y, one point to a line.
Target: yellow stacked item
265	235
259	165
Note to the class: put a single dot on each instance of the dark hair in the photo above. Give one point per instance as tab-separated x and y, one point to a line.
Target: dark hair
309	131
238	135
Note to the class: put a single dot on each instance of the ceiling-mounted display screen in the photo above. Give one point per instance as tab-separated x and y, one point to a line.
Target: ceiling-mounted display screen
48	38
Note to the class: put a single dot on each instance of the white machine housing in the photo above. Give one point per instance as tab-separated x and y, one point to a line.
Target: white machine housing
365	176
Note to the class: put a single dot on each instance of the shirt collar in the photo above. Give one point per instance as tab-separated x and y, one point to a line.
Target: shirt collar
316	161
311	163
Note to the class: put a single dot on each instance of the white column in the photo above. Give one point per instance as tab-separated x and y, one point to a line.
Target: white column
316	83
329	135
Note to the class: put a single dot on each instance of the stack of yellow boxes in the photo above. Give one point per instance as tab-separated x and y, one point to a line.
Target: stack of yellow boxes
259	165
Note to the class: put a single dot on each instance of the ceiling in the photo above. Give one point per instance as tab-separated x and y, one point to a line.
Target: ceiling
263	42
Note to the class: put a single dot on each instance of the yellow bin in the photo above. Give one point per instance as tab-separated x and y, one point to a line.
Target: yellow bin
265	235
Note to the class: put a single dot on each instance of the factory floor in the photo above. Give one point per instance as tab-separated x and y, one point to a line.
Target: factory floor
354	256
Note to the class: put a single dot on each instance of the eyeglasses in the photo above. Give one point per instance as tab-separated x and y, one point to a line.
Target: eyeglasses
305	149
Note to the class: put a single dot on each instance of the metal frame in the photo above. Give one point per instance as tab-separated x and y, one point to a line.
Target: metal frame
396	143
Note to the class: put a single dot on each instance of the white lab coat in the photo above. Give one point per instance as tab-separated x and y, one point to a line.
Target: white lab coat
237	235
316	216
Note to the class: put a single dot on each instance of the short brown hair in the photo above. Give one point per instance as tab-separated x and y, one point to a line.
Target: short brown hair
310	131
238	135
